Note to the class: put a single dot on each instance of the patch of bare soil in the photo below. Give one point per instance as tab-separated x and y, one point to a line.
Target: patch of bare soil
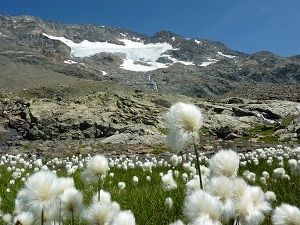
19	76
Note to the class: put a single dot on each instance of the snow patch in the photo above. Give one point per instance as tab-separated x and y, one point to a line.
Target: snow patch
210	61
137	66
206	63
198	42
228	56
139	56
104	73
70	62
3	35
187	63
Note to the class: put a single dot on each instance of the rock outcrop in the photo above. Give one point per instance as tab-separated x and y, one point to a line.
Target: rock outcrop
136	118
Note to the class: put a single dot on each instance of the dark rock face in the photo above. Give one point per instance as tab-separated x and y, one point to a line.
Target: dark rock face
22	41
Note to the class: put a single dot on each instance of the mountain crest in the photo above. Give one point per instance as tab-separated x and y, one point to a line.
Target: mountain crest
165	62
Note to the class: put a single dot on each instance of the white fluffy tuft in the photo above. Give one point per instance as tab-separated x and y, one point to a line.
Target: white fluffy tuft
225	162
286	214
183	122
202	208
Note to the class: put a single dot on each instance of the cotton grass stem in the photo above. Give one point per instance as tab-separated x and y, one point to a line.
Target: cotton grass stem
99	188
59	219
42	217
237	221
198	165
72	217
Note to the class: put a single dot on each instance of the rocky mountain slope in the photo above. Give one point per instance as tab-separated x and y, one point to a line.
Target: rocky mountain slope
76	88
92	116
165	62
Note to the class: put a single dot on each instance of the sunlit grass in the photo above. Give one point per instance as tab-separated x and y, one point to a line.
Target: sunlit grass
146	198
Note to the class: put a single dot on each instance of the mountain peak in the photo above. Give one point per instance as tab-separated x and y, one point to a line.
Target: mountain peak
165	62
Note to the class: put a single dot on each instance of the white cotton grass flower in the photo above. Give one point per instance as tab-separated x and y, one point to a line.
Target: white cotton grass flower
147	167
292	163
124	218
101	213
263	180
252	206
148	178
174	160
193	171
111	174
168	182
105	197
249	176
295	167
7	218
259	199
222	187
71	200
121	185
183	121
97	167
296	170
184	177
176	173
224	162
270	196
39	194
239	188
286	214
202	208
192	185
168	203
265	174
177	222
279	172
64	183
24	218
135	179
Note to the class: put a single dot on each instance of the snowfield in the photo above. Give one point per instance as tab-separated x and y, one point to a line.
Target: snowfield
138	56
135	52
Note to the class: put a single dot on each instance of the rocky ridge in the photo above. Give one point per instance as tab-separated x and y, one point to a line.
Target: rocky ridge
194	67
134	120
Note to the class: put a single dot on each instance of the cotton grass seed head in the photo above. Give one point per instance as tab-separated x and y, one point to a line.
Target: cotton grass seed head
168	182
168	202
97	167
40	193
270	196
286	214
225	162
101	213
105	197
124	218
7	218
202	208
221	187
25	218
183	121
177	222
71	200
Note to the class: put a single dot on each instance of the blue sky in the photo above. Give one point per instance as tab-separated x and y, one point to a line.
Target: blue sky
244	25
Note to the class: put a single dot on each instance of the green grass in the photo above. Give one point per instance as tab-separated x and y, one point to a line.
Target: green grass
285	190
146	198
268	139
264	133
